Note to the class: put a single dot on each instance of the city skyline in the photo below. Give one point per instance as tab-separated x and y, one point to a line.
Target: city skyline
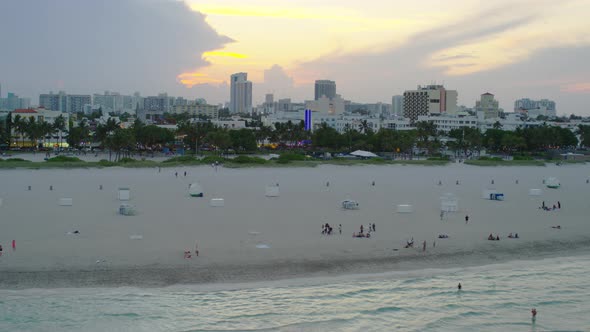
524	49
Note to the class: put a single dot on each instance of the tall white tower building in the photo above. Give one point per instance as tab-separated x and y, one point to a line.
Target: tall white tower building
240	94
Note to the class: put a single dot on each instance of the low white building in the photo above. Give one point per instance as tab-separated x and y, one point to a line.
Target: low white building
325	105
449	122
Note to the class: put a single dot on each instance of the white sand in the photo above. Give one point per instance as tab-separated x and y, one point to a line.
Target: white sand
170	221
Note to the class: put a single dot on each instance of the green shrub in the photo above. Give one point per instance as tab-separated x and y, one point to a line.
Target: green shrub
287	157
17	160
443	158
212	159
106	163
248	160
64	159
127	160
490	158
181	159
522	158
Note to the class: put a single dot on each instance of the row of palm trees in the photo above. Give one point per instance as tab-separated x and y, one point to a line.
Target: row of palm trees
35	129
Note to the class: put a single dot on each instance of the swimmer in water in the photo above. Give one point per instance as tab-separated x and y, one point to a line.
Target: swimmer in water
459	286
534	313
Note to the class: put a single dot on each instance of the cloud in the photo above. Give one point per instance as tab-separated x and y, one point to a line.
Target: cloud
583	87
87	46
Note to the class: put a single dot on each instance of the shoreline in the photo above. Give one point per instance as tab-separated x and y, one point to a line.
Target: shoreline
156	275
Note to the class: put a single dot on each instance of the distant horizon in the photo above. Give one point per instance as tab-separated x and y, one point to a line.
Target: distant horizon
513	49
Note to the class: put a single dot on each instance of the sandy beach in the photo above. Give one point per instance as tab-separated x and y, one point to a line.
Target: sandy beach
170	221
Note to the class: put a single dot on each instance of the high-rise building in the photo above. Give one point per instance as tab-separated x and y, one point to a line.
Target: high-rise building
325	88
76	103
54	101
397	105
429	99
158	103
535	108
284	105
487	106
240	94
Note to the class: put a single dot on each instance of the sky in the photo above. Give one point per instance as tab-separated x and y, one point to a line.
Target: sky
373	49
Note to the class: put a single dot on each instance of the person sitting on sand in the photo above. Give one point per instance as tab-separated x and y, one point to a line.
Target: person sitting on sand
187	254
510	236
491	237
516	236
497	237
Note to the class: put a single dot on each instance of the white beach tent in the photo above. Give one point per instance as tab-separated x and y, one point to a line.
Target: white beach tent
126	210
124	194
195	190
349	204
272	191
364	154
552	183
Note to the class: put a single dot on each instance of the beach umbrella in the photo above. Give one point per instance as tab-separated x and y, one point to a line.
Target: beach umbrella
365	154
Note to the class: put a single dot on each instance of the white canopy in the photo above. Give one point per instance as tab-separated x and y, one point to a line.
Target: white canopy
361	153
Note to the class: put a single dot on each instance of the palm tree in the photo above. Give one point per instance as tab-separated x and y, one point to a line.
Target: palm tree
59	124
33	130
104	132
17	124
45	128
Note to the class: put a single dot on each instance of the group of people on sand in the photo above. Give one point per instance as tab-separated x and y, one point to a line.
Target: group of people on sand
188	254
492	238
547	208
362	233
13	247
327	229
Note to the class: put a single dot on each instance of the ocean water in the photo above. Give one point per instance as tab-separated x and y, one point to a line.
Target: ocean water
495	297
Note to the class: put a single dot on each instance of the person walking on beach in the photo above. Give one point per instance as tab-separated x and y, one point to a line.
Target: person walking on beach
466	219
373	227
184	173
1	250
176	174
543	204
459	286
362	229
558	204
424	246
534	313
340	228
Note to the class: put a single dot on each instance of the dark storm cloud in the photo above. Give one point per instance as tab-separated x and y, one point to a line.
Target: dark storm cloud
89	46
